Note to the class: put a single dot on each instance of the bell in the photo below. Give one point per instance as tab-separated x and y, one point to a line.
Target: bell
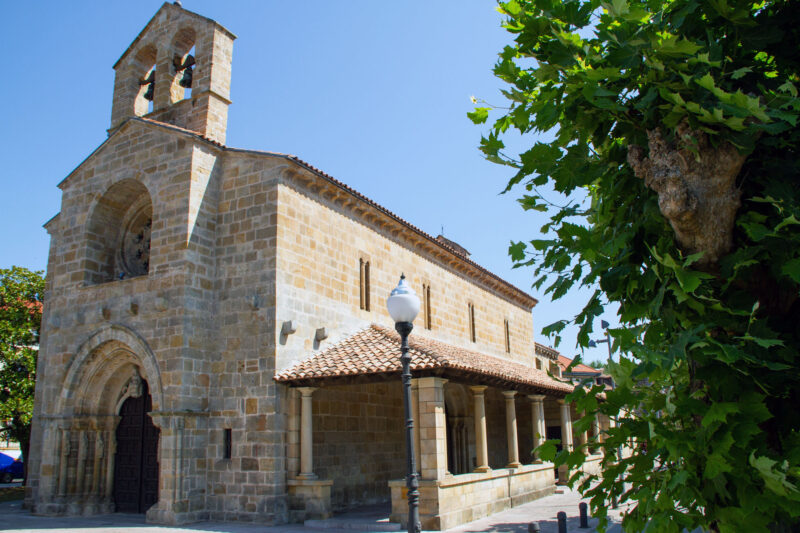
186	79
151	89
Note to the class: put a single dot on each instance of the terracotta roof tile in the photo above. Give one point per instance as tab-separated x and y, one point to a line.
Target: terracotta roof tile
564	362
375	350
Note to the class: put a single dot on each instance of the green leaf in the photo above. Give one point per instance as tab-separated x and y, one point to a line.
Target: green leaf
718	413
548	449
479	116
791	268
740	72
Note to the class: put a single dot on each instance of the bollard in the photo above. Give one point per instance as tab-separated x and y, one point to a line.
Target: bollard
562	522
584	515
533	527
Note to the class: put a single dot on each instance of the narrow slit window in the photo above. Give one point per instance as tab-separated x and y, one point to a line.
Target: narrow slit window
471	322
228	445
508	336
363	284
366	286
426	298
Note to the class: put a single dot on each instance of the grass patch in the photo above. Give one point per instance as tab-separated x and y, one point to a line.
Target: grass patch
8	494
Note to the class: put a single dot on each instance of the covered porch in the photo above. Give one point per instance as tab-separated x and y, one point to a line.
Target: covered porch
477	419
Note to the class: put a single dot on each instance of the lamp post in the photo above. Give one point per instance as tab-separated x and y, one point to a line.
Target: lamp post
403	306
607	340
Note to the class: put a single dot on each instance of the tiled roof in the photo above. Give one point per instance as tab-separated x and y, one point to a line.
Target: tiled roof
580	368
375	351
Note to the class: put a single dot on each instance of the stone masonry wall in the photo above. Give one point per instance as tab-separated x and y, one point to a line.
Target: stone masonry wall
250	486
359	441
319	247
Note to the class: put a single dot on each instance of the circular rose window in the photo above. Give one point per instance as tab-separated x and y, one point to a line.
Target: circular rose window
135	246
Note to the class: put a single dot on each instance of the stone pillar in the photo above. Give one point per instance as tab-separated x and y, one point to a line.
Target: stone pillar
432	428
584	438
99	450
566	439
538	424
293	433
108	494
62	464
415	413
306	435
511	430
566	426
83	445
481	447
172	503
596	431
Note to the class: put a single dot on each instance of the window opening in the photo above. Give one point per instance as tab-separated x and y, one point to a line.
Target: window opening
228	452
508	336
471	322
184	65
426	306
363	284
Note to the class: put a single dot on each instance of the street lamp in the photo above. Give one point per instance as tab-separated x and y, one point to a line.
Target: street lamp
607	340
403	306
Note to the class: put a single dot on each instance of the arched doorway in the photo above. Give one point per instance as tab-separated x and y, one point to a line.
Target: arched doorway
136	458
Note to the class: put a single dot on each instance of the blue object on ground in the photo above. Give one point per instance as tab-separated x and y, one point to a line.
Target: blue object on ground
10	468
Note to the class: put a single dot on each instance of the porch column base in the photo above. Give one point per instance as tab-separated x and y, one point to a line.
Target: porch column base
309	499
563	475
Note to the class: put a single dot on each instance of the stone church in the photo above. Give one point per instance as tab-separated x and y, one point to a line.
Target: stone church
215	342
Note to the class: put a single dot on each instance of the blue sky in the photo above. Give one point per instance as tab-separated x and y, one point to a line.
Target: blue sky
373	93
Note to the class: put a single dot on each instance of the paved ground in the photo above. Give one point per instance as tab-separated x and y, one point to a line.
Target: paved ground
516	520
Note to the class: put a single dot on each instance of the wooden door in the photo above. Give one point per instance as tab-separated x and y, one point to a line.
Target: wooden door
136	460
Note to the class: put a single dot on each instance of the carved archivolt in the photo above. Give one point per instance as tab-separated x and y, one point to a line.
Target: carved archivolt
108	366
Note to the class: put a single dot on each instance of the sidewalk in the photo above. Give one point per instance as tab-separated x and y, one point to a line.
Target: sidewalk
14	518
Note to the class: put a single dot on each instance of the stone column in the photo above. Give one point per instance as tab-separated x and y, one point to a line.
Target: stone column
584	437
481	447
62	466
432	428
566	426
596	431
415	412
83	445
293	433
538	423
306	435
108	494
511	430
566	439
99	450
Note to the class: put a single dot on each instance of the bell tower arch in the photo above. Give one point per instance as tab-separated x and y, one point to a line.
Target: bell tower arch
178	71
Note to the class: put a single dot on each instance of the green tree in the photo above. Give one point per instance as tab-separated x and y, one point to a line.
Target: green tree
597	364
676	120
20	320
